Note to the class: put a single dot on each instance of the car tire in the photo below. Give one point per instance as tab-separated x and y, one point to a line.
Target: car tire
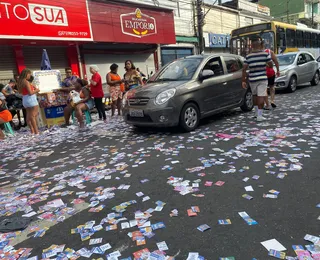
189	117
292	87
248	102
315	80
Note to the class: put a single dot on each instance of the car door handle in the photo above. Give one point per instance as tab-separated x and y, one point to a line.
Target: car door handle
225	83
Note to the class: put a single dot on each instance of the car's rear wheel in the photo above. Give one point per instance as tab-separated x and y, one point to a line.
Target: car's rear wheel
248	102
315	80
189	117
292	87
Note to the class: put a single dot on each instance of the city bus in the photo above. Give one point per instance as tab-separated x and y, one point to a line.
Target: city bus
279	37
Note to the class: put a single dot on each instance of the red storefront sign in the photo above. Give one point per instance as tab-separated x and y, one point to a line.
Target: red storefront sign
45	19
130	24
138	24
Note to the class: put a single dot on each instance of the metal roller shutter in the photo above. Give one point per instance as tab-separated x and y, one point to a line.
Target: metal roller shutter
143	61
7	64
57	56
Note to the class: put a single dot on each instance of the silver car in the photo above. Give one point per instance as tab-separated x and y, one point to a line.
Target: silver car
297	68
188	89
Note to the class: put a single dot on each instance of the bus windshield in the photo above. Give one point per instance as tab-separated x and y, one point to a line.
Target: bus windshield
242	45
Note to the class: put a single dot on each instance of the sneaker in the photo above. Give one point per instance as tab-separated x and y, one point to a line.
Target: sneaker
261	118
266	108
273	105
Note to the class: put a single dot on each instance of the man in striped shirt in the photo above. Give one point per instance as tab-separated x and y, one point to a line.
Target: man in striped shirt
256	62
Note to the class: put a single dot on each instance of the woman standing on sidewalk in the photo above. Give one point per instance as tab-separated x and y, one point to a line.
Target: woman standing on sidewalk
29	100
97	91
115	82
132	76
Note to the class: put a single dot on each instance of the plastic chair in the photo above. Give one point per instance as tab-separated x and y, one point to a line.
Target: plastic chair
87	115
8	128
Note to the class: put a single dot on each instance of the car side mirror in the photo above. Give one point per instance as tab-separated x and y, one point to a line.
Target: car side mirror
300	62
205	74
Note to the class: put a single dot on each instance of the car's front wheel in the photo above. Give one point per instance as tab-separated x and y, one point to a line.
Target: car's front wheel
248	102
189	117
315	80
292	87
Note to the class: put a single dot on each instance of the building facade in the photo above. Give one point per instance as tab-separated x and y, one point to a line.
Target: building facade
82	33
220	20
184	18
295	11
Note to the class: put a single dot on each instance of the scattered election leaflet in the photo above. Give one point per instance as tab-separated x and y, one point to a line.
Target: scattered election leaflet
66	176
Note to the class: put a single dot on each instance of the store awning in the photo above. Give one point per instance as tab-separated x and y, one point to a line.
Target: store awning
190	39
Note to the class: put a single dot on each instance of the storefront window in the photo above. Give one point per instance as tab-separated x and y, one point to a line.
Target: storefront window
168	55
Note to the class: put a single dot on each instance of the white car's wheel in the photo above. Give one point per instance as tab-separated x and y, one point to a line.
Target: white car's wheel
315	80
292	87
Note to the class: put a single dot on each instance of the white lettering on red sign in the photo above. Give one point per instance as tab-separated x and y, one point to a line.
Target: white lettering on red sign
139	25
38	14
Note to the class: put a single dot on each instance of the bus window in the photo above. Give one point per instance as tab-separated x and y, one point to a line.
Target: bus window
281	38
307	39
314	40
291	38
300	40
268	38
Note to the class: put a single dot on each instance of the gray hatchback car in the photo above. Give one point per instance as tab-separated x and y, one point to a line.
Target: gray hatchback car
186	90
297	68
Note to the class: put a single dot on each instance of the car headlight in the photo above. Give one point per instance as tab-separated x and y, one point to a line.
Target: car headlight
283	73
164	96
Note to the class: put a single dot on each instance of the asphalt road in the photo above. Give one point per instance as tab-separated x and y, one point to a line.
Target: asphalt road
227	147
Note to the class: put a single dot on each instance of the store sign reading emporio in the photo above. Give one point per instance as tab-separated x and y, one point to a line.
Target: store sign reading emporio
138	24
44	19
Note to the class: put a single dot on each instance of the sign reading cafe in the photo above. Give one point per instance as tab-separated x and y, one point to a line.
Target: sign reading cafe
137	24
218	40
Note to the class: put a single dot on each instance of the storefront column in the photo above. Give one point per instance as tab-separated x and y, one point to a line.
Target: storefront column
18	53
156	59
73	59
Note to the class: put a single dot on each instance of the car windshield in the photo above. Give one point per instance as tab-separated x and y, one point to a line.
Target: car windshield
287	59
179	70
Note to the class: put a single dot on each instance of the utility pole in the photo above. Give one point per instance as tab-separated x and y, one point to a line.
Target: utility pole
288	11
312	14
200	19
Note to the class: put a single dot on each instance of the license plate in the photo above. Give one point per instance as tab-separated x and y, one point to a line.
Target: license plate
136	113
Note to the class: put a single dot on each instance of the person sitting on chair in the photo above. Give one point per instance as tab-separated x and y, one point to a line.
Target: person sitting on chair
5	115
83	103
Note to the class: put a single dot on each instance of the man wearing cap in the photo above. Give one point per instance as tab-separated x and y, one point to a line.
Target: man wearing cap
256	62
